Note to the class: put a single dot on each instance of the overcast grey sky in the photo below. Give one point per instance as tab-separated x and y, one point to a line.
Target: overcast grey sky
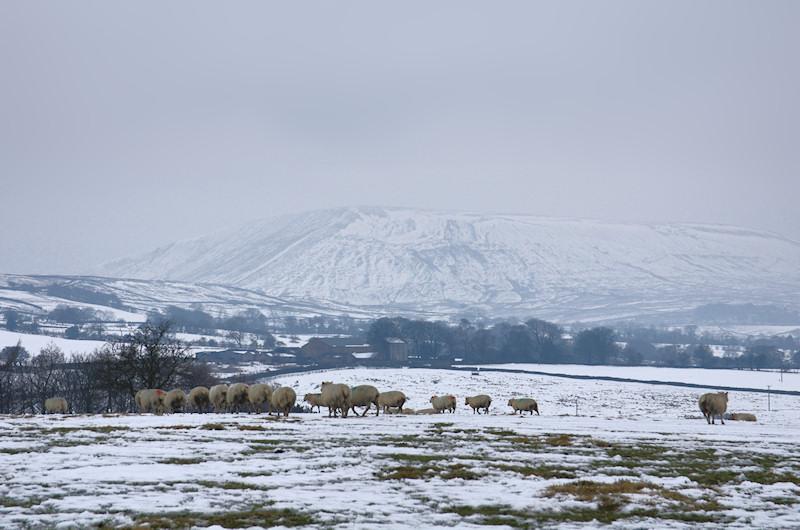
128	125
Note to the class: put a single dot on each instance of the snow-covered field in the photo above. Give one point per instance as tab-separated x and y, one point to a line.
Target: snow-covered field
635	455
34	343
755	379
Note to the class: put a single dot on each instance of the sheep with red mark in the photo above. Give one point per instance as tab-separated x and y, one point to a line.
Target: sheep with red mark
153	400
442	403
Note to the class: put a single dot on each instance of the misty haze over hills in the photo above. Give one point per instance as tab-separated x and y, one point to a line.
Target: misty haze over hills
463	264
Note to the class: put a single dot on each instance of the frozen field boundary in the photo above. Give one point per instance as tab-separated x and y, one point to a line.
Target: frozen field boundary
277	373
630	380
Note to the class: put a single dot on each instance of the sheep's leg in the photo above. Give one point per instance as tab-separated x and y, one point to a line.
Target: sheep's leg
365	410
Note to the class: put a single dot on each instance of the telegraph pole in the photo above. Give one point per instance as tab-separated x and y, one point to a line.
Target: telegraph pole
768	400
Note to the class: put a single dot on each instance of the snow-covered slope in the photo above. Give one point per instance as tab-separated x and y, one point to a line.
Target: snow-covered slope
562	269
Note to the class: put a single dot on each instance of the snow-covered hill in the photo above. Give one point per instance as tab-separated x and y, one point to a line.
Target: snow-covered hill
498	265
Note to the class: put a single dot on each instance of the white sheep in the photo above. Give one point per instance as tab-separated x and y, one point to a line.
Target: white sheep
441	403
314	400
524	405
175	400
740	416
138	399
392	399
237	397
153	400
218	395
478	402
198	399
55	404
335	396
283	399
257	395
713	405
364	396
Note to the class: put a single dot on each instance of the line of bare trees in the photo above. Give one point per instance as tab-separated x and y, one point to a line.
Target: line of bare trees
104	380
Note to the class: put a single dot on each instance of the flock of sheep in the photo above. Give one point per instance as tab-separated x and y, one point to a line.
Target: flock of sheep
223	398
339	398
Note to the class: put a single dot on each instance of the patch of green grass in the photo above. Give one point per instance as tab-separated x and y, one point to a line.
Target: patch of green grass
559	440
586	490
783	501
255	449
20	503
16	451
529	442
182	461
230	485
213	427
405	472
245	474
414	457
607	511
105	429
459	471
501	432
71	443
252	428
426	470
272	441
259	517
409	440
539	471
635	452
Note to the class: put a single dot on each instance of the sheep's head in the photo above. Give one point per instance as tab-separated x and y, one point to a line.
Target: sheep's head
433	398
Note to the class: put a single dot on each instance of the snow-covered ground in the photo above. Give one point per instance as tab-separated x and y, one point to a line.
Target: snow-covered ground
34	343
636	455
759	380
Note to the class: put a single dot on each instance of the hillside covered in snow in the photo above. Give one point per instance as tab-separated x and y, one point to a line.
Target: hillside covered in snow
451	263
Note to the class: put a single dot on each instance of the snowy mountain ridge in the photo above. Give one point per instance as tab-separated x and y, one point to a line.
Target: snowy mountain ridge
497	265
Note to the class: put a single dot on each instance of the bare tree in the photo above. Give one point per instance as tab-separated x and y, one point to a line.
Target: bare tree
44	376
10	379
150	357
